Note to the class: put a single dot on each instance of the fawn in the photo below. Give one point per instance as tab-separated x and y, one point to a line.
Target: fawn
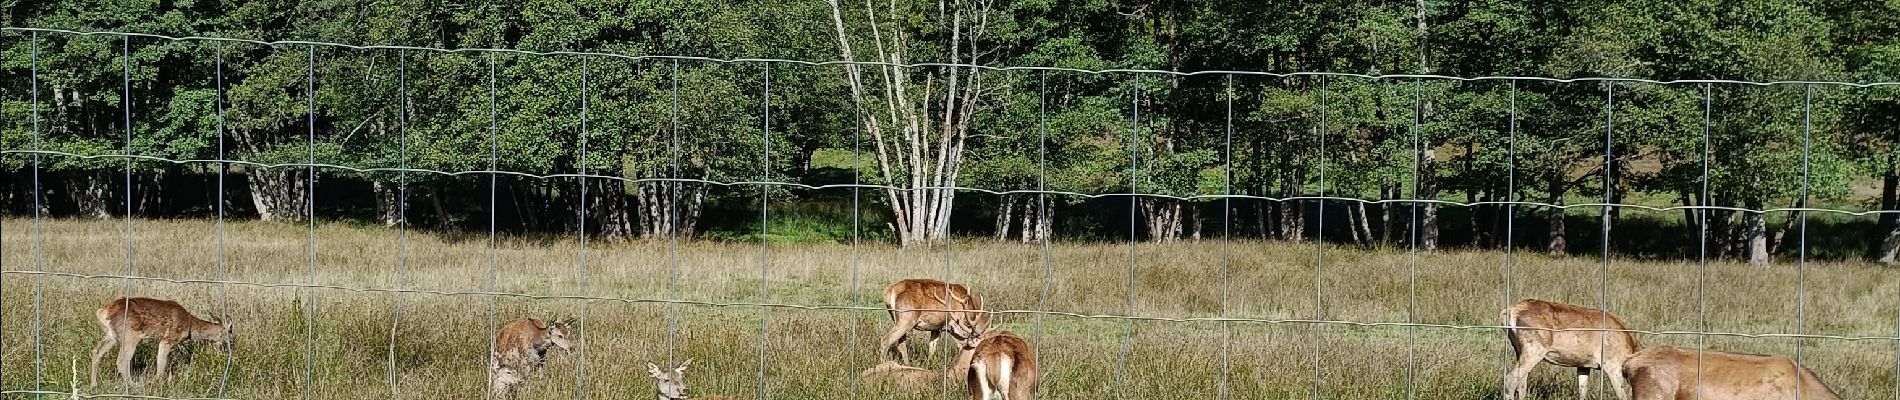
520	347
128	321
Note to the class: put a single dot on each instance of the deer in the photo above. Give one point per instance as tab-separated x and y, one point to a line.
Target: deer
521	346
995	363
1605	348
903	300
673	382
1671	373
899	375
131	320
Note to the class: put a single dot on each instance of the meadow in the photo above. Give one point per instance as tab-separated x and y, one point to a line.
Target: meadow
377	344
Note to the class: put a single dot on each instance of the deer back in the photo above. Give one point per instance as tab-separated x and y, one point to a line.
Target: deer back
151	317
1674	373
1533	313
892	373
931	294
519	338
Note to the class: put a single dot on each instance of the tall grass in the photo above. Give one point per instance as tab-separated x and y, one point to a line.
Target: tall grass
440	341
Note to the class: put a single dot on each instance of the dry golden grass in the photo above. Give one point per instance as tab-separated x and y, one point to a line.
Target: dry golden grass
441	341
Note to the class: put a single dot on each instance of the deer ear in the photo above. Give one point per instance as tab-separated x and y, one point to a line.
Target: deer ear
653	370
682	368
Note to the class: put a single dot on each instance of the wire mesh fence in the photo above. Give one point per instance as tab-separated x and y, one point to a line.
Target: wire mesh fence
1420	300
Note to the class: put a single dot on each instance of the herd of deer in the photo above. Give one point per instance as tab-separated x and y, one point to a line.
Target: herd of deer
998	364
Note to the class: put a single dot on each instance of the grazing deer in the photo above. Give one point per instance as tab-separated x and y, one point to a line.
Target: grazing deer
1669	373
903	298
899	375
996	364
673	383
520	347
1583	350
128	321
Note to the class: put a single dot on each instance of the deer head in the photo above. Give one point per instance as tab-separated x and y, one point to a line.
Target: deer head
970	332
557	333
217	331
978	321
672	383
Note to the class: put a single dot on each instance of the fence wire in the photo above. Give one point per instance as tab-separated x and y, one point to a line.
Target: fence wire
490	294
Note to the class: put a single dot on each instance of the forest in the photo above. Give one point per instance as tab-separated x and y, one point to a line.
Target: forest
618	105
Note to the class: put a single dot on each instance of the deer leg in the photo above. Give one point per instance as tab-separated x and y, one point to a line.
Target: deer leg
1516	381
1583	383
1004	368
128	345
1619	384
894	340
982	377
105	345
931	351
164	360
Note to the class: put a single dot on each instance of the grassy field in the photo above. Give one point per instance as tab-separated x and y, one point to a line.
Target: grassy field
439	341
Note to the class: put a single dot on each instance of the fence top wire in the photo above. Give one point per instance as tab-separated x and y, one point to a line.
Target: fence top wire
638	57
881	309
795	185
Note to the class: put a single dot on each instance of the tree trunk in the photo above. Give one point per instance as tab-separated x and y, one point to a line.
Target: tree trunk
1889	195
1688	199
1558	186
1475	227
390	204
1027	218
1776	242
92	193
1292	217
1389	215
149	192
1427	190
1756	233
1361	231
444	219
918	143
1043	222
1427	176
1194	221
1004	216
1163	218
280	194
609	208
1263	217
1889	246
665	209
1890	191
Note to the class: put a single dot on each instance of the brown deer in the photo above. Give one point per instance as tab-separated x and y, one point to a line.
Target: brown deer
128	321
521	347
1669	373
1583	350
995	363
898	375
903	298
673	382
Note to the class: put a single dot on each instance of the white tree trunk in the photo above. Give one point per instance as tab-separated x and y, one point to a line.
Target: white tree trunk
280	194
919	153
